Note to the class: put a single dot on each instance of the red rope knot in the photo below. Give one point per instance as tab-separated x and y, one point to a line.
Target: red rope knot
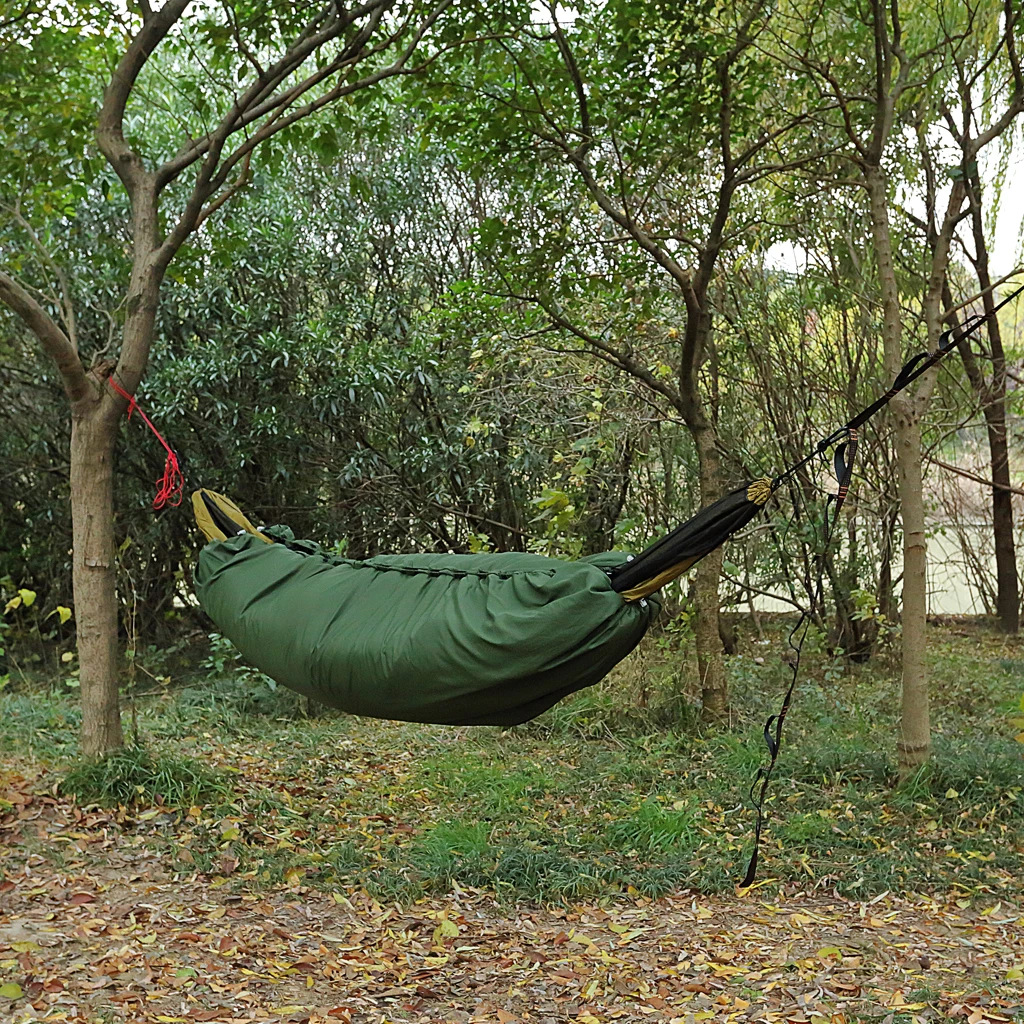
170	486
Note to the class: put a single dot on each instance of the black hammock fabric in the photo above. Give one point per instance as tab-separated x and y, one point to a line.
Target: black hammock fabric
686	545
491	639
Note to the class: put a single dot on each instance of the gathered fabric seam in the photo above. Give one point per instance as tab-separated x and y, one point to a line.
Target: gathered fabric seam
422	570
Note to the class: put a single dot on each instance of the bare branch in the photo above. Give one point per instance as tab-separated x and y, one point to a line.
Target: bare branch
54	341
977	295
972	476
997	127
621	217
763	593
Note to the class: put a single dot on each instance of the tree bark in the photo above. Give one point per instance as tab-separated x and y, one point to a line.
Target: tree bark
914	744
714	688
1007	583
992	395
887	607
93	429
993	405
93	437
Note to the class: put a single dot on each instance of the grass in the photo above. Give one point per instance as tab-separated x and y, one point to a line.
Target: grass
136	776
596	797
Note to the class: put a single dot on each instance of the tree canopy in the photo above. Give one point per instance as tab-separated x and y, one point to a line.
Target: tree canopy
466	277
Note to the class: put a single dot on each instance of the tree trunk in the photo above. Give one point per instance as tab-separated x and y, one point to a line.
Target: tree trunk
993	404
914	744
93	436
1007	584
714	689
884	595
93	429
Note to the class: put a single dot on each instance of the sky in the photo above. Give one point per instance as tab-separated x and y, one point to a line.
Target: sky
1004	243
1007	243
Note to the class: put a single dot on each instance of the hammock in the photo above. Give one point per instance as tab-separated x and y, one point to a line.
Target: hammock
482	639
489	639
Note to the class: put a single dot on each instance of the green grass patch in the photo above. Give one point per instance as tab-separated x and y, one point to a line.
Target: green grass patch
653	828
599	796
135	776
39	724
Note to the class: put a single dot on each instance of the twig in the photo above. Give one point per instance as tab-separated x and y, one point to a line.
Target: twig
763	593
972	476
974	298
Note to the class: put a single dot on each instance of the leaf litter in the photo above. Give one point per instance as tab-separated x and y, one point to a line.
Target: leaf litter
109	932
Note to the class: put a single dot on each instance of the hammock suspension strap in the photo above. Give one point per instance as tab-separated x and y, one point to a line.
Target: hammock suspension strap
843	461
844	441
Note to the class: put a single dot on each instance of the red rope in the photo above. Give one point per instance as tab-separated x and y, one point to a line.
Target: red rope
170	486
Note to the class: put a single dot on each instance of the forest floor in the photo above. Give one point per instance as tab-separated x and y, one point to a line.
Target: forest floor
250	864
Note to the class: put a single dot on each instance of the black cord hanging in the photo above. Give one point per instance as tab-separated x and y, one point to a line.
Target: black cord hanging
844	442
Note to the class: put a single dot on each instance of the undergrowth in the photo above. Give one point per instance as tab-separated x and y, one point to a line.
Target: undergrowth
599	796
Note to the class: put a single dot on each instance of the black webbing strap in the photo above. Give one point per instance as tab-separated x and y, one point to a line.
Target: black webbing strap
845	455
844	440
913	368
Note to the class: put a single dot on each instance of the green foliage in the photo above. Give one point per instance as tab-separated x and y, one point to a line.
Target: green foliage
52	58
225	661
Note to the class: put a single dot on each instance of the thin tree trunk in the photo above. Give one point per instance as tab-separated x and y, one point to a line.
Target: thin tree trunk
914	744
884	595
93	437
92	500
714	688
993	403
1007	584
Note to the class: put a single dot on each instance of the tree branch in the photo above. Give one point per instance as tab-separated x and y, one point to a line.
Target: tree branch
215	171
67	309
259	100
110	125
973	476
54	341
243	177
